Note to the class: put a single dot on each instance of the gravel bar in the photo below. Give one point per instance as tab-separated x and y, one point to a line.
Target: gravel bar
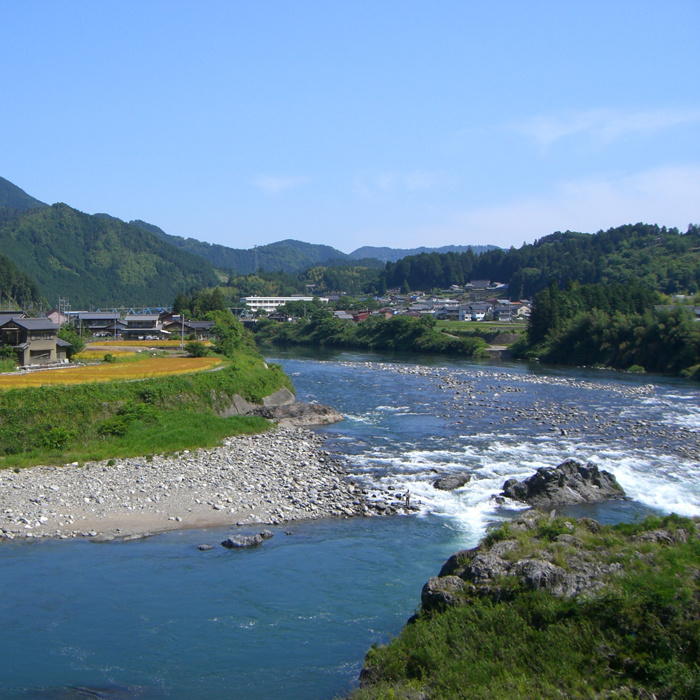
275	477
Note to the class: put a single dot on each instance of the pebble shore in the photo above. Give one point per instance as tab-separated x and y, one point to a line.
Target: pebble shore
275	477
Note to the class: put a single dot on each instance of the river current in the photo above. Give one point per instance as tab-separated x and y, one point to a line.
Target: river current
157	618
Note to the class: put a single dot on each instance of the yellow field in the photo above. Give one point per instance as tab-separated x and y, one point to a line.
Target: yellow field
141	343
145	369
90	355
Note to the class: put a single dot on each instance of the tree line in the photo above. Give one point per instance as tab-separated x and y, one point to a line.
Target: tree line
665	260
612	325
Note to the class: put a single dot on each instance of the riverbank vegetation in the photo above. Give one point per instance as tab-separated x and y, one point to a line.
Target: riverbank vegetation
101	420
612	325
401	333
637	637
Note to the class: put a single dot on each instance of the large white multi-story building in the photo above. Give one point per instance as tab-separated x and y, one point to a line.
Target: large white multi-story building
271	303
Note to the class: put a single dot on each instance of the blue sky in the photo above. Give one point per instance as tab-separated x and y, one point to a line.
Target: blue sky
356	123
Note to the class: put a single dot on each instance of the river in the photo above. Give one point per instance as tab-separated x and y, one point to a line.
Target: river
157	618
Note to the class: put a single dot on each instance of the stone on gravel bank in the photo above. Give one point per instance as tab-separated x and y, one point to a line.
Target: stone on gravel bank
570	483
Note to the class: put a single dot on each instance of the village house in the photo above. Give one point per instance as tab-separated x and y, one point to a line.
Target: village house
57	317
99	324
475	312
143	327
175	327
343	315
34	340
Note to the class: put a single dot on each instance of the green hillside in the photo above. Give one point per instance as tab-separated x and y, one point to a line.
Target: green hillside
97	260
663	259
12	197
287	256
16	288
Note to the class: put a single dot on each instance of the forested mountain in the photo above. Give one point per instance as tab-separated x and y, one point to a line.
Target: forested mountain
12	197
395	254
17	290
286	256
98	260
662	259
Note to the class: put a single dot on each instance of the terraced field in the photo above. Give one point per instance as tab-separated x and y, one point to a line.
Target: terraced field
143	369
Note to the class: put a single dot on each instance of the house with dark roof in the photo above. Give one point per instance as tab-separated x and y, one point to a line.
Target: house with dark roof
200	329
34	341
143	327
99	323
8	315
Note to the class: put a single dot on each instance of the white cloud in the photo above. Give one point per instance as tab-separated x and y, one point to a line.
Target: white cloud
603	125
272	185
666	196
397	182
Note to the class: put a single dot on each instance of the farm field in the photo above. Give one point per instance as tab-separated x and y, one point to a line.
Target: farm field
484	326
147	368
116	344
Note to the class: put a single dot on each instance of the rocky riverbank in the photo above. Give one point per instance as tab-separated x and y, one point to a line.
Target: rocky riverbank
279	476
550	607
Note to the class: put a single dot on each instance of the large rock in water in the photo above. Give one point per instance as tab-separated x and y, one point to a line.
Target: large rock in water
300	414
450	483
570	483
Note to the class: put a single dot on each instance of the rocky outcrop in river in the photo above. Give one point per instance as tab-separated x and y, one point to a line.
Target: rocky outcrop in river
570	483
283	408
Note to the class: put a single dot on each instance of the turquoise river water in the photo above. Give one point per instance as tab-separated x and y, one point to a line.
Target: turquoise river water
156	618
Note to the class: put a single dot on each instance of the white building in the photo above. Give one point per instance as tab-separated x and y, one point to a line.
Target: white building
271	303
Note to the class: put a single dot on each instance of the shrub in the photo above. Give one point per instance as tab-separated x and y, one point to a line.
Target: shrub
195	348
109	358
57	438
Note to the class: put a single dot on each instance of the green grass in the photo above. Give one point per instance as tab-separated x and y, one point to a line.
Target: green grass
58	424
640	635
169	432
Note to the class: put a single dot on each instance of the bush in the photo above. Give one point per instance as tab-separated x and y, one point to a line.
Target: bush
109	358
57	438
77	344
196	348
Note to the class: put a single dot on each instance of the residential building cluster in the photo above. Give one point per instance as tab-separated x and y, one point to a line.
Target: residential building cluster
480	300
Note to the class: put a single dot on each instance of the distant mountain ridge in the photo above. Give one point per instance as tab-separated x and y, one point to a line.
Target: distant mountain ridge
288	255
293	256
395	254
12	197
100	260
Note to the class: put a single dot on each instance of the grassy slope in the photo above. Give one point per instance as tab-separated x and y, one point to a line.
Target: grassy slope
641	635
95	421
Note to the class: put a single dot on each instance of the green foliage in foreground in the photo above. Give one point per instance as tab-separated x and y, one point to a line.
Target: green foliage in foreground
612	325
639	635
58	424
376	333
